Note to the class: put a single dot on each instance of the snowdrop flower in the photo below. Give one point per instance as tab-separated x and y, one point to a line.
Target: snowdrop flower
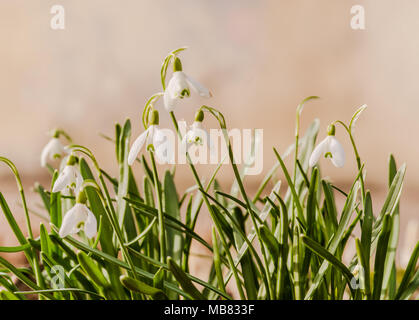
331	148
178	87
69	178
79	218
54	149
197	135
153	135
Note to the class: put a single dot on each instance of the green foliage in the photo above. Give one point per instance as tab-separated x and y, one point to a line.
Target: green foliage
283	243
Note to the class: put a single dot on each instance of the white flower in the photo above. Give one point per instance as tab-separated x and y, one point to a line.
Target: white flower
54	149
69	178
77	218
178	88
197	135
329	147
153	135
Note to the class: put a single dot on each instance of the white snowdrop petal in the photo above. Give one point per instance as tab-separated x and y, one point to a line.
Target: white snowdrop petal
53	148
70	221
179	83
318	152
150	136
136	146
62	181
199	88
90	226
44	156
337	151
169	102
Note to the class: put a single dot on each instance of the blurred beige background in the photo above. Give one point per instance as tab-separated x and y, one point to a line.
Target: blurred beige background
259	58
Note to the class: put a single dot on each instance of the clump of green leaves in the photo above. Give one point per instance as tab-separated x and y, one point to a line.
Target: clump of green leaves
283	243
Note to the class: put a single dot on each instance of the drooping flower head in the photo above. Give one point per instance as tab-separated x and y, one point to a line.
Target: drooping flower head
153	135
53	150
70	177
179	87
197	135
331	148
79	218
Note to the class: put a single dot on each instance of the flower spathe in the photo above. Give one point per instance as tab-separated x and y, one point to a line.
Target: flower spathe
79	218
329	147
153	135
179	87
54	149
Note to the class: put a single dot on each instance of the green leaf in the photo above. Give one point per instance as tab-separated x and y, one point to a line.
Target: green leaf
325	254
330	205
217	261
92	270
411	288
283	240
367	227
294	193
101	255
270	242
391	202
60	291
11	220
171	207
22	277
158	279
141	287
348	210
389	277
252	235
107	233
183	280
364	261
408	274
168	220
55	207
380	257
46	244
15	249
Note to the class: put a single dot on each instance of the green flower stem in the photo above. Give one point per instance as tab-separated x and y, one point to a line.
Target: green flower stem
148	106
211	211
162	231
358	158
